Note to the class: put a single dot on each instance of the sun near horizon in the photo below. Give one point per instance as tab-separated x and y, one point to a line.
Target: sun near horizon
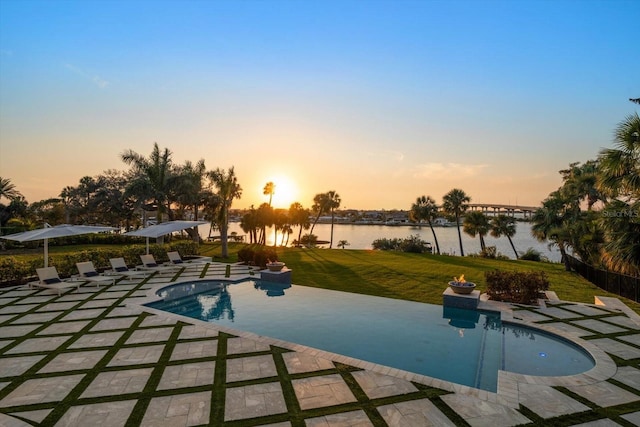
285	192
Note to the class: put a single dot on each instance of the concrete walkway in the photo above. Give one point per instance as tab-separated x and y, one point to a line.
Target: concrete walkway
95	356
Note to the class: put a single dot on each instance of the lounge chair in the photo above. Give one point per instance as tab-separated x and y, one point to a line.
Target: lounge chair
149	263
88	272
49	279
175	258
119	267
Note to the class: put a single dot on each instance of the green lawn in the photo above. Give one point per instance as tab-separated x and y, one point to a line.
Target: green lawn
414	277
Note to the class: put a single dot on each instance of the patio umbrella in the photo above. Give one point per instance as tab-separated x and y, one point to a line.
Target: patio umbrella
49	232
157	230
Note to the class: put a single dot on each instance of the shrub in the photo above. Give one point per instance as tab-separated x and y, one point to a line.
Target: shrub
516	286
257	255
412	244
533	255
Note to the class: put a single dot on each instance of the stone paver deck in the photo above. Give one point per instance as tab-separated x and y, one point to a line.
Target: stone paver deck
95	356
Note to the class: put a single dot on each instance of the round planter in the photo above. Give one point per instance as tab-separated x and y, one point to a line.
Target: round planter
462	288
275	266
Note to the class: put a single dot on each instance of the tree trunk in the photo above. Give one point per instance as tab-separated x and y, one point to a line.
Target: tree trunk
331	241
512	246
459	235
434	237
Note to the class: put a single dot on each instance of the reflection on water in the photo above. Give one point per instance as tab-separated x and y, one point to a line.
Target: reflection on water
272	289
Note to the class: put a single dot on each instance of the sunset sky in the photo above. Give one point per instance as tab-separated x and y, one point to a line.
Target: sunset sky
381	101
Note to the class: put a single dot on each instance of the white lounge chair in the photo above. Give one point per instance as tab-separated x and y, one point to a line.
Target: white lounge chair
119	267
49	279
88	272
175	258
149	263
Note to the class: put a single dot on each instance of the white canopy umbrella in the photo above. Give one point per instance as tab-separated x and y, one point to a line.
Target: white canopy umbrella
49	232
157	230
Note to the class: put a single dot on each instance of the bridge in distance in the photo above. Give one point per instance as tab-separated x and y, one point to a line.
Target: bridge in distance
497	209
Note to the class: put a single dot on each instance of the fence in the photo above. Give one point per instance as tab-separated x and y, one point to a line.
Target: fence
620	284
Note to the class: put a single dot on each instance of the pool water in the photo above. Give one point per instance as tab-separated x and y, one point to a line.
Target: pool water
462	346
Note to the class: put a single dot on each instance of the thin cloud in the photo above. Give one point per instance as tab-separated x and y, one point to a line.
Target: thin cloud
441	170
398	156
95	79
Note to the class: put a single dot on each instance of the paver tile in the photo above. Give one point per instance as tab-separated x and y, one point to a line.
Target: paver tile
377	385
530	316
570	329
100	339
297	363
150	335
250	368
187	375
33	345
605	394
195	349
158	321
10	331
633	339
254	401
50	389
628	375
558	312
64	327
615	347
74	361
107	414
604	422
97	304
343	419
125	311
118	382
598	326
115	323
37	416
326	390
17	308
18	365
58	306
245	345
181	410
586	310
90	313
196	331
414	413
633	417
480	413
36	318
137	355
622	321
548	402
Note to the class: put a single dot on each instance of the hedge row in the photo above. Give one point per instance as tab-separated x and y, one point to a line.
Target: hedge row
516	286
14	270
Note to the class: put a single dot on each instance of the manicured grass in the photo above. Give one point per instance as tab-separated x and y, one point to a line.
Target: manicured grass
414	277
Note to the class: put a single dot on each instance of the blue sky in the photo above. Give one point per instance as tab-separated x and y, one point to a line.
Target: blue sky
382	101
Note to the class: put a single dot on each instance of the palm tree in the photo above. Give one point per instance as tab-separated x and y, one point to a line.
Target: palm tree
343	243
619	167
455	203
8	189
228	189
249	224
269	190
550	222
504	225
299	216
154	178
333	199
320	206
476	223
425	209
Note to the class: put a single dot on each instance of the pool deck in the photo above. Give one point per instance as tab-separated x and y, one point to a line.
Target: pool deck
96	356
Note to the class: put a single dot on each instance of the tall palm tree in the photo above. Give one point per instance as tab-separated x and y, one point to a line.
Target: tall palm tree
320	207
455	203
154	178
269	190
476	223
504	225
333	200
228	189
425	209
8	189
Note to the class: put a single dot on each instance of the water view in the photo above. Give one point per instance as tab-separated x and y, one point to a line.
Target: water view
362	236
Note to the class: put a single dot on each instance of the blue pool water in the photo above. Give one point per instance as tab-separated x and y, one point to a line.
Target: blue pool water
462	346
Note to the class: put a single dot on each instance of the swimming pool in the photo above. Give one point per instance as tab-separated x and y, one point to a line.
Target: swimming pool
462	346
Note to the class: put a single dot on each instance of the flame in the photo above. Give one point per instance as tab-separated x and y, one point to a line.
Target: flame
459	279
